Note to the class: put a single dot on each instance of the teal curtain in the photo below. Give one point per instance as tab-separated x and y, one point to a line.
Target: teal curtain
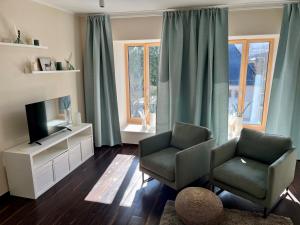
284	107
193	82
99	82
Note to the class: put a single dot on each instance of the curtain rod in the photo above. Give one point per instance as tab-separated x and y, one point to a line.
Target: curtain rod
231	7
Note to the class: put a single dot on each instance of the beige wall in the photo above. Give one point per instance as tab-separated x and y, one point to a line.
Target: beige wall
255	22
61	33
241	22
137	28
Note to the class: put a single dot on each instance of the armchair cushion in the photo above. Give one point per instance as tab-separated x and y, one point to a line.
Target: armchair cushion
161	163
244	174
262	147
187	135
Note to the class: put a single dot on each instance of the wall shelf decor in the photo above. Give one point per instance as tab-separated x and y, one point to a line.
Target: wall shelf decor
22	45
55	71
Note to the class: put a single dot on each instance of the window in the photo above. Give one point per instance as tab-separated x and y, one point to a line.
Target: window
250	65
142	64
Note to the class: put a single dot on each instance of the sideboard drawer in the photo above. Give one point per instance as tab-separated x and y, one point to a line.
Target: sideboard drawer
43	177
61	166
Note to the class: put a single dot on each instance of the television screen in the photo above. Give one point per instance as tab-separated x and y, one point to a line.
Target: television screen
47	117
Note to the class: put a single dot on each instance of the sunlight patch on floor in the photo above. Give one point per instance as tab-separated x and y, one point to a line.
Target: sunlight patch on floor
290	196
135	184
109	183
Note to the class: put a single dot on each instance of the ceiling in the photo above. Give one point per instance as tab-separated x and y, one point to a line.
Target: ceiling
121	6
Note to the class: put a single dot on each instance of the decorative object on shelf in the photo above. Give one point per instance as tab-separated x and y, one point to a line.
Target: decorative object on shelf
68	62
68	115
59	66
46	63
18	40
36	42
77	118
53	64
67	109
101	3
34	66
18	36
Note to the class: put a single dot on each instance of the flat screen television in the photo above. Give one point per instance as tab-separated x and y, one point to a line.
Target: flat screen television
47	117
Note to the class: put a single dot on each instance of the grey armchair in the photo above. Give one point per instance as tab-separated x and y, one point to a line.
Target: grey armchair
177	158
258	167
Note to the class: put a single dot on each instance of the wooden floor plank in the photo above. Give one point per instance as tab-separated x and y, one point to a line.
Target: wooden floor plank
133	204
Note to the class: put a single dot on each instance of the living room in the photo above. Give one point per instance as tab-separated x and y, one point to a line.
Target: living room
149	112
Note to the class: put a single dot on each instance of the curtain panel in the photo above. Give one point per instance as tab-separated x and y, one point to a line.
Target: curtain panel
99	82
284	107
193	80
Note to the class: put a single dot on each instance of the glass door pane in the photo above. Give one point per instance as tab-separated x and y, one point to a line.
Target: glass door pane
136	80
235	61
154	52
257	69
153	77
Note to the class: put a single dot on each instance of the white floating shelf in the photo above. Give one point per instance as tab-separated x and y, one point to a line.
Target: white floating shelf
55	71
22	45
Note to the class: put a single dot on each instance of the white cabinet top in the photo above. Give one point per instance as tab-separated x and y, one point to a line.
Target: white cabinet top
33	149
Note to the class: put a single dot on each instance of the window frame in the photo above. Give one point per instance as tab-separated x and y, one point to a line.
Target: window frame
146	45
243	77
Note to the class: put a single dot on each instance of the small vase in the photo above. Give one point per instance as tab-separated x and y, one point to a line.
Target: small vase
76	119
68	115
235	126
153	120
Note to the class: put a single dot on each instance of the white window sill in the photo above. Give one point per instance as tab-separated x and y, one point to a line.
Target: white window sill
136	128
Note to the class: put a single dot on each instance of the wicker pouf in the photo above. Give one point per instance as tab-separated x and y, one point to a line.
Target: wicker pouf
199	206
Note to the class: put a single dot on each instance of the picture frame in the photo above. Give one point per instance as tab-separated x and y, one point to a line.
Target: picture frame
46	63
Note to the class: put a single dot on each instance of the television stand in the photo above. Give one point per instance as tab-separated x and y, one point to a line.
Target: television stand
34	169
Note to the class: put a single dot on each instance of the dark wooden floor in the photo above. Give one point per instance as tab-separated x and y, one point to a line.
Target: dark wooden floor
65	204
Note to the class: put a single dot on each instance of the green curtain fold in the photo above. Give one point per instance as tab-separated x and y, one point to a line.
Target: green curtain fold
99	82
284	107
193	83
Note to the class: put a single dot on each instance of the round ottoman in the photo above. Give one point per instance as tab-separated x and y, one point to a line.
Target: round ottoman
199	206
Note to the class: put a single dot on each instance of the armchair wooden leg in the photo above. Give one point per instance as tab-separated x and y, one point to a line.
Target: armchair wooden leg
266	213
213	188
147	180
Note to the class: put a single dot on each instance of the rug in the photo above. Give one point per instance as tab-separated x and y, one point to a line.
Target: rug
231	217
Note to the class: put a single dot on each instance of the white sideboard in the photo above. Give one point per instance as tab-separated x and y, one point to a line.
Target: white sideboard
32	169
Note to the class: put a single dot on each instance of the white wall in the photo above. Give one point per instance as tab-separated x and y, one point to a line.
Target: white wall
61	33
119	57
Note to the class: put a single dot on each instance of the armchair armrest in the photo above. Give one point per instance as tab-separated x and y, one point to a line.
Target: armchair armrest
192	163
154	143
223	153
280	175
